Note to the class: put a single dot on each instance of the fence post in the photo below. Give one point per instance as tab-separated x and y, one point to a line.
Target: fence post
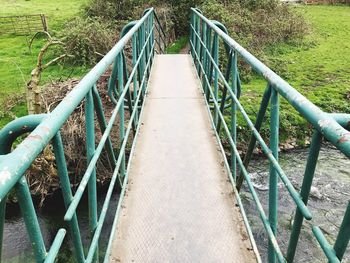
216	76
304	193
67	195
121	109
344	235
30	219
273	180
208	65
90	151
234	70
44	22
2	222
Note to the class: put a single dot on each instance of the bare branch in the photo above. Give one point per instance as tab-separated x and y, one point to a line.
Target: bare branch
44	49
54	61
36	34
98	53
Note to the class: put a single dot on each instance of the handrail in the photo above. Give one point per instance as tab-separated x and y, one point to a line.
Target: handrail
204	40
46	127
332	131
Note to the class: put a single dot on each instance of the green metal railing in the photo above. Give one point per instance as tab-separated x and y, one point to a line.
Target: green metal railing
222	88
145	37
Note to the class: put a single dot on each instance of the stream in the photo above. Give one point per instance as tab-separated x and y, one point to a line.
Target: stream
329	197
328	200
17	247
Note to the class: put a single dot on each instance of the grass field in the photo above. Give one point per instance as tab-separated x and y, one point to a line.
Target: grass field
319	68
17	61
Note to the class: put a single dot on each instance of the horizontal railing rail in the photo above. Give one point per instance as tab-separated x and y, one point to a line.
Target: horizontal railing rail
222	91
127	90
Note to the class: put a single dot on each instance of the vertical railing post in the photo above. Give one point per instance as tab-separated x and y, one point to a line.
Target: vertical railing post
2	222
139	67
149	43
67	195
143	60
343	235
200	47
121	111
252	142
273	180
103	124
90	151
192	33
152	28
234	70
211	63
30	219
204	54
304	193
216	76
198	21
146	46
135	84
192	38
161	48
208	64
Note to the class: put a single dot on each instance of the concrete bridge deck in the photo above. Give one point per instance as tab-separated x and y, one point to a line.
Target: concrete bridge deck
179	205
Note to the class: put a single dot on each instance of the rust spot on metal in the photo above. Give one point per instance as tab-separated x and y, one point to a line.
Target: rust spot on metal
343	139
34	137
46	129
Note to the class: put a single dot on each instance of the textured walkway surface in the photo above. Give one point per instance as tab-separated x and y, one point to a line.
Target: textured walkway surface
179	206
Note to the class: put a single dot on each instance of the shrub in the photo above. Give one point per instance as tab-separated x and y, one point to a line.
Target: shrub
87	40
181	14
111	9
257	26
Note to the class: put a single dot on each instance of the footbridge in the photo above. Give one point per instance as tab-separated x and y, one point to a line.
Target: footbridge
171	140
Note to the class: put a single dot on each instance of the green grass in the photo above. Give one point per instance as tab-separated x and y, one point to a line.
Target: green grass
17	61
319	68
177	46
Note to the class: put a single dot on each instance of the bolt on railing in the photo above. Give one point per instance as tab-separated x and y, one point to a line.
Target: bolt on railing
205	36
45	128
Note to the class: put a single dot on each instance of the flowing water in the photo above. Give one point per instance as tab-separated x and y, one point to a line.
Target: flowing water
17	247
328	200
329	197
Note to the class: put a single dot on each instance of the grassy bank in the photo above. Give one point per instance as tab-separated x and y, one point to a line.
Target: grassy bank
17	60
318	68
177	46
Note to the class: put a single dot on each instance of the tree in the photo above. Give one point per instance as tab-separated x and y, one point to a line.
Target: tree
34	100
